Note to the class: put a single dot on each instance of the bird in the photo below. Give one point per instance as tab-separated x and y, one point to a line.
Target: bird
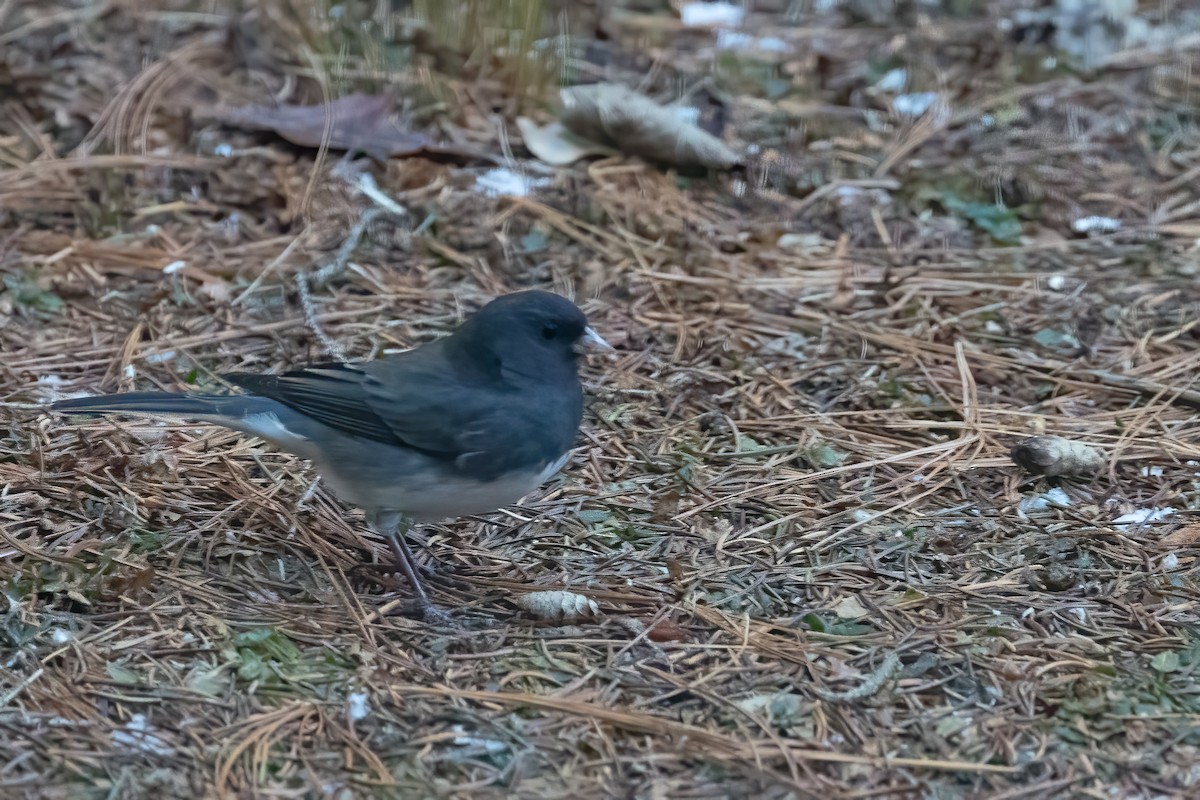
459	426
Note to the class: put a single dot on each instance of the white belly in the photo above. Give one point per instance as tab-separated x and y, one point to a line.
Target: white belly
431	498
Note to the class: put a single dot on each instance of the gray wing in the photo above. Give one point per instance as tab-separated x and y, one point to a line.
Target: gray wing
417	400
332	394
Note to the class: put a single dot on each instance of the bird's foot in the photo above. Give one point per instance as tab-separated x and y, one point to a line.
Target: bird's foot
427	611
435	615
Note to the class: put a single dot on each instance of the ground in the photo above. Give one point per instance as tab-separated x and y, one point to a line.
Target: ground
798	556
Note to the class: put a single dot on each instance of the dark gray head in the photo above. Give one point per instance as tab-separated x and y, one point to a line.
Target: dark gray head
533	335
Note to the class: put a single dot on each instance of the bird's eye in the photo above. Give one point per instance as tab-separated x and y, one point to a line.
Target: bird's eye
549	331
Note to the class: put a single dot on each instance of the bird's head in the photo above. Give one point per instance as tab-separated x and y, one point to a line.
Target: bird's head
533	334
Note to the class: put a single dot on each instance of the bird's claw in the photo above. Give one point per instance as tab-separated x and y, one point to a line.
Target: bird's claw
428	612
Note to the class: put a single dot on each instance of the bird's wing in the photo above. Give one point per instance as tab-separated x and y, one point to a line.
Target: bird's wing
332	394
417	400
485	426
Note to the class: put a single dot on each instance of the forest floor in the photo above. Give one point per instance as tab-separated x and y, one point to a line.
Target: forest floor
816	570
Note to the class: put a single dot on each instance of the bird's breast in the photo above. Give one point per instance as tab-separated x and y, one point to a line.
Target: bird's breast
432	494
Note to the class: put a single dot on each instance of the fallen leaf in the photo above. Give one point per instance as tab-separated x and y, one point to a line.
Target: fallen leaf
1166	661
1186	536
850	608
217	291
953	724
716	531
209	681
131	585
557	146
823	455
357	121
667	630
674	569
122	674
780	705
665	506
619	117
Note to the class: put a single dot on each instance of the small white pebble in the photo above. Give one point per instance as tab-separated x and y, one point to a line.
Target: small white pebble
1056	283
130	371
1101	224
1030	505
223	150
500	182
1040	502
915	104
1170	561
735	40
894	80
1152	472
358	705
174	266
1080	613
159	357
1143	516
689	114
712	15
1027	613
138	736
465	740
1059	496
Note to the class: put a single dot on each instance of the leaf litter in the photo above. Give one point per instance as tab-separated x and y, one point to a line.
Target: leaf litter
821	573
601	119
355	122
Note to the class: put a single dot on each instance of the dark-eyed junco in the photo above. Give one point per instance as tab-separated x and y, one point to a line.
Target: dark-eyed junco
462	425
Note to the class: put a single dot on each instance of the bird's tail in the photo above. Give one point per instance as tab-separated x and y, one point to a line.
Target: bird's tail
170	404
257	416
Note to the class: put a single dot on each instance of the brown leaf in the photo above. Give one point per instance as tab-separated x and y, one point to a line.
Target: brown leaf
633	123
675	569
667	630
1186	536
131	585
357	121
666	506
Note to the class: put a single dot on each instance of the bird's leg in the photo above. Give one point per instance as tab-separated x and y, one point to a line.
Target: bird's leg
406	561
394	533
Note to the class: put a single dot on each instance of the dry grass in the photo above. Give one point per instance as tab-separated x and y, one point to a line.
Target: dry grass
792	501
